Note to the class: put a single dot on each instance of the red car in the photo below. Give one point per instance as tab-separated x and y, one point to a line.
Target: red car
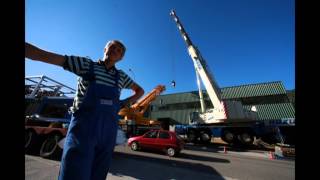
162	140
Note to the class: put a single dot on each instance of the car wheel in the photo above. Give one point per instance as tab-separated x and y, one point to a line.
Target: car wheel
134	146
171	152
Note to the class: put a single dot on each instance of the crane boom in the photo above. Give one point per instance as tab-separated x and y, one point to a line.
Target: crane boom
135	112
200	66
142	105
222	110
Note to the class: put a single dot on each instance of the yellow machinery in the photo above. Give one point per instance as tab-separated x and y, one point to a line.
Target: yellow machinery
133	115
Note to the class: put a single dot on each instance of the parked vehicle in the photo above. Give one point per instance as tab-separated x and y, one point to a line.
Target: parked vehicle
161	140
46	115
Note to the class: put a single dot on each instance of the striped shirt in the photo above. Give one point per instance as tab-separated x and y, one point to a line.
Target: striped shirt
80	66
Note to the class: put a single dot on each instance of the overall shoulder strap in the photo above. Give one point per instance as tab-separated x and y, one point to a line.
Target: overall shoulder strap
117	75
90	75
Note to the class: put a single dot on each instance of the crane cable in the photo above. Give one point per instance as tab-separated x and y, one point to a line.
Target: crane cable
173	82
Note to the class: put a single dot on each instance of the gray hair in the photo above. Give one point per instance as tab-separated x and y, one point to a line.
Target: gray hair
109	43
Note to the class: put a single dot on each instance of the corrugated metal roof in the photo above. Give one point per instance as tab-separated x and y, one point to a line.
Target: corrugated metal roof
274	111
265	112
177	98
253	90
235	92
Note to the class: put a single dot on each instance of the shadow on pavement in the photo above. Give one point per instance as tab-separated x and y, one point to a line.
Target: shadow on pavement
143	167
184	155
219	148
202	158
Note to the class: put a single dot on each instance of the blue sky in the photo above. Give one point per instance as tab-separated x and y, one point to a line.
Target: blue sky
243	41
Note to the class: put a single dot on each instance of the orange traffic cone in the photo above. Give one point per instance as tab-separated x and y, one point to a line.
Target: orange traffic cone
224	149
271	155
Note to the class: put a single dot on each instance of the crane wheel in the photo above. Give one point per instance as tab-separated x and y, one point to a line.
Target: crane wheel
192	136
50	148
228	136
32	142
29	135
246	138
205	137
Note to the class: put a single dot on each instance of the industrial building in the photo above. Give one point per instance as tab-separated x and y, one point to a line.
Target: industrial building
270	99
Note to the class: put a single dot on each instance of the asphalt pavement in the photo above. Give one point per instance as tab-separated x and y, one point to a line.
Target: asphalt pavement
194	162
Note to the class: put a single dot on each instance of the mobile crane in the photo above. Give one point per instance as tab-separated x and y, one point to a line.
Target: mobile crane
233	119
133	118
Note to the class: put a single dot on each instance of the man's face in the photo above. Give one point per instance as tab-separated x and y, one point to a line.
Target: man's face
114	53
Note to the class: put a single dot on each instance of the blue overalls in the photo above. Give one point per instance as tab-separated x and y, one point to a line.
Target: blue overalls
92	133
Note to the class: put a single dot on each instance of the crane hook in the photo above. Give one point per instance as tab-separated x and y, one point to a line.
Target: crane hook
173	83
